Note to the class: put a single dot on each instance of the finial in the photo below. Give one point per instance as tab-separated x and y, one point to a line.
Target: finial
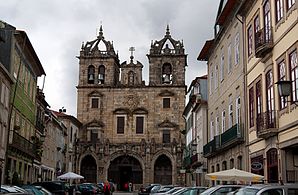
131	49
168	29
82	45
100	30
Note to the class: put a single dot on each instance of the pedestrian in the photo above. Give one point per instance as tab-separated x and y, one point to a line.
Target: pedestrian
107	188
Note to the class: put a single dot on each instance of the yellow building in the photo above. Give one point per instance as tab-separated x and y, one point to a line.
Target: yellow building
270	48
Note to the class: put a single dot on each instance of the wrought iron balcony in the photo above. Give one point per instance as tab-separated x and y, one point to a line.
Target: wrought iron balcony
232	136
292	176
228	139
263	42
22	144
209	148
267	124
40	126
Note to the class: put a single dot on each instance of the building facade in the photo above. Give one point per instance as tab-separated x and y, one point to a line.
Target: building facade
131	132
225	147
195	114
22	158
271	43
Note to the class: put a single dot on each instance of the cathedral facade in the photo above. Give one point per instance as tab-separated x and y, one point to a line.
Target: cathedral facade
131	131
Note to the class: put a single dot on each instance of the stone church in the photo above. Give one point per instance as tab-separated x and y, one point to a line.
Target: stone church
131	131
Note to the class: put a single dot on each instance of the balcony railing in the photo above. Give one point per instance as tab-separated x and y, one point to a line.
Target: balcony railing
22	144
267	124
263	42
232	135
40	126
229	138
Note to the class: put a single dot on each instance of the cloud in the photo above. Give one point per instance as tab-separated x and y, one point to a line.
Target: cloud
57	29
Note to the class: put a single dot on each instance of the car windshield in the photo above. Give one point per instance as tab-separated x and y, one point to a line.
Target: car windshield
247	191
208	191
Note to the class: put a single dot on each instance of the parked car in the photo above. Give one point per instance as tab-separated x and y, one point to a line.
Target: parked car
32	189
55	187
221	189
172	191
163	189
11	189
270	189
88	188
191	190
147	190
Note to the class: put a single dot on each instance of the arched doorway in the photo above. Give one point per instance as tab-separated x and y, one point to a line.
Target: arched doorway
272	165
125	169
163	170
88	169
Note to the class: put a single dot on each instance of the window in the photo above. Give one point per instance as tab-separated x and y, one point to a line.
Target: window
239	162
167	73
270	97
166	102
222	63
238	111
249	40
166	136
91	72
94	103
223	121
131	78
101	74
282	77
237	49
251	107
211	130
294	74
229	58
2	93
120	124
267	21
259	98
278	10
232	163
215	77
257	24
217	126
139	124
230	115
210	83
290	4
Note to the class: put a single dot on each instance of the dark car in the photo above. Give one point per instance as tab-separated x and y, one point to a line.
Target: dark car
88	188
148	189
55	187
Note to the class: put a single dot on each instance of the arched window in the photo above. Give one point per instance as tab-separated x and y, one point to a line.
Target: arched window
101	74
91	71
131	78
167	73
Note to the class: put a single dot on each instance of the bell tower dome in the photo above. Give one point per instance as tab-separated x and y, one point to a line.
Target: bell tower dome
99	64
167	61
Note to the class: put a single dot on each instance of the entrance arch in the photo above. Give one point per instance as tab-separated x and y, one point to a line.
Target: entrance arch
88	169
163	170
125	169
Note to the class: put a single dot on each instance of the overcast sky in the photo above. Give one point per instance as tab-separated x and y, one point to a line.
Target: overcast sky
57	28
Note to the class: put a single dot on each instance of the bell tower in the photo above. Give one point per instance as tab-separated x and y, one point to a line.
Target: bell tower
167	62
99	64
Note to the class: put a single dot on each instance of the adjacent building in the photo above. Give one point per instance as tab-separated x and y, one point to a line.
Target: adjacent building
131	132
271	43
195	114
19	58
6	82
226	135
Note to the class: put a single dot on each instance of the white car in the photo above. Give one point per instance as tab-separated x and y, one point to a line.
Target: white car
12	189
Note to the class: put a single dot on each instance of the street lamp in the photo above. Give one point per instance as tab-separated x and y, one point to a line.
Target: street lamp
285	88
